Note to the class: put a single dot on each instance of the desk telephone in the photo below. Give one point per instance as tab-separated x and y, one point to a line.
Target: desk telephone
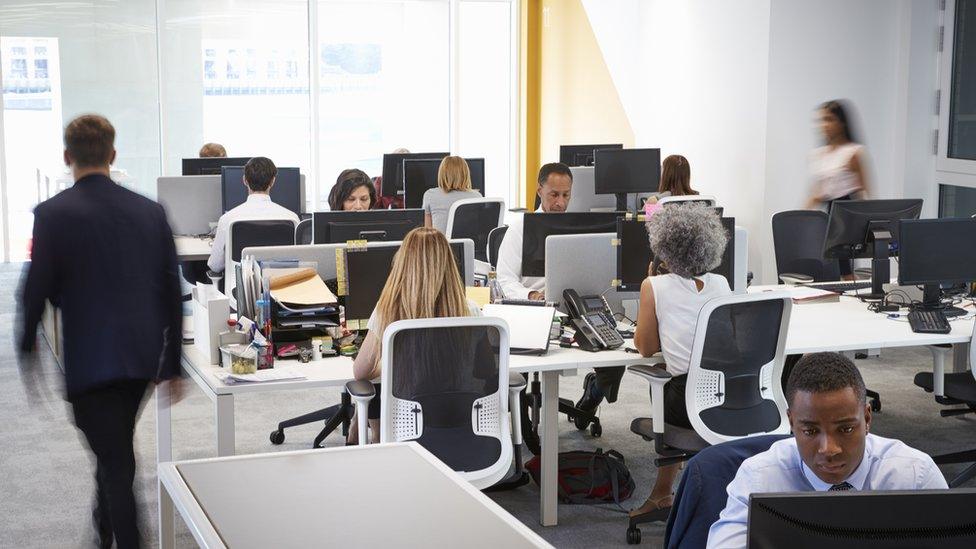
593	321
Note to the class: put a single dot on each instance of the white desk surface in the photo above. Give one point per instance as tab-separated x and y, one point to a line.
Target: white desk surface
384	495
191	248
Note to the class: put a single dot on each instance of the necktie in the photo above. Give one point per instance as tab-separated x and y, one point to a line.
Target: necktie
842	487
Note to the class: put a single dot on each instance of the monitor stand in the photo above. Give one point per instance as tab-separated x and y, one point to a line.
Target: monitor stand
880	263
622	202
932	301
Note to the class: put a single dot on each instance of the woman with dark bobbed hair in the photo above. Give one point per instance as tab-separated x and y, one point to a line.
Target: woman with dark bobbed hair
689	240
353	191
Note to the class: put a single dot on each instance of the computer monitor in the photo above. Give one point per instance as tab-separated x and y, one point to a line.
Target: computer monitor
634	255
537	226
933	252
421	175
582	155
863	520
372	225
868	228
366	271
210	166
393	170
624	171
286	191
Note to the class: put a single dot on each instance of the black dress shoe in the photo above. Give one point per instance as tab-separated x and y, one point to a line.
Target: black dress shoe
590	399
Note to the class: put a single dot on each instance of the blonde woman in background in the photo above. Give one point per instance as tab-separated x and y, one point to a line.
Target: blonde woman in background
424	282
453	184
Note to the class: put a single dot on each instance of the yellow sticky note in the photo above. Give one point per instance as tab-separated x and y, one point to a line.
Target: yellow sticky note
479	294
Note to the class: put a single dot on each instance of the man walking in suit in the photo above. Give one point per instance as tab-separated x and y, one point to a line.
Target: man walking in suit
105	256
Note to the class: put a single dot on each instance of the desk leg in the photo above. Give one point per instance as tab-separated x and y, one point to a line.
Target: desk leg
549	435
167	538
224	414
164	452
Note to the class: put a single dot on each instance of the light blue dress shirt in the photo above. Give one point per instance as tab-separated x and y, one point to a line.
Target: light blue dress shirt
887	465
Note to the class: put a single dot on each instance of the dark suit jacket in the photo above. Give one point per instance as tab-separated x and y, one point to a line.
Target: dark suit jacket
105	256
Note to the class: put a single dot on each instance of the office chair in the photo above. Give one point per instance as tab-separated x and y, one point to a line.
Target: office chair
303	232
444	383
733	388
798	240
475	218
953	389
702	494
495	238
252	232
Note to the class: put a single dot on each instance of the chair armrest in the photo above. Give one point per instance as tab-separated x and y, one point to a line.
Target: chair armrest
516	381
360	389
655	373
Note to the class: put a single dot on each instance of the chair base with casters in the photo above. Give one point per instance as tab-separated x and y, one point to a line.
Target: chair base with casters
952	389
531	405
334	417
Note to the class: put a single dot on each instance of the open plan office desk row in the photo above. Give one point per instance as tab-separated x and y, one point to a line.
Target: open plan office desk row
192	248
350	496
845	325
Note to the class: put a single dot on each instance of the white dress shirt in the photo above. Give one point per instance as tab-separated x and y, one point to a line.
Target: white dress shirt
509	269
888	464
257	206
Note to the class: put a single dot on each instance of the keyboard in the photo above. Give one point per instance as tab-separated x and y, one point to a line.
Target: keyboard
840	287
929	322
532	302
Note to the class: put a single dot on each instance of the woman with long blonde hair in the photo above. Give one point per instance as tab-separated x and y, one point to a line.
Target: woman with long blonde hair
453	184
424	282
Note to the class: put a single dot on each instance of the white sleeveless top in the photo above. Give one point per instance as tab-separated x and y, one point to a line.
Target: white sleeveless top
677	303
831	171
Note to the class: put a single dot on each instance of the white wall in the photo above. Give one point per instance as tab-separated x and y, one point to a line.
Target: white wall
733	87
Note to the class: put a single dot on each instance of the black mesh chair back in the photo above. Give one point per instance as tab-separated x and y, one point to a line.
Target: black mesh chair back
475	219
269	232
303	232
441	388
798	239
495	238
733	384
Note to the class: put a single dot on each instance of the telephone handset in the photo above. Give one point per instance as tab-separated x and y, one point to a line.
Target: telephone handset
593	320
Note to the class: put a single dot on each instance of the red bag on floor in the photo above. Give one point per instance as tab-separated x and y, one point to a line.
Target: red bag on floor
589	477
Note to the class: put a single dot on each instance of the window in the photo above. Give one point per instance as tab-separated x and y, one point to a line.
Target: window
956	201
18	68
40	68
962	94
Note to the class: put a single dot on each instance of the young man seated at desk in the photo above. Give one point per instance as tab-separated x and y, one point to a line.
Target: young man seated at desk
259	177
831	449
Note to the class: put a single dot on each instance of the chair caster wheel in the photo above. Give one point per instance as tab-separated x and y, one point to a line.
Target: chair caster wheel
633	536
581	422
277	437
596	430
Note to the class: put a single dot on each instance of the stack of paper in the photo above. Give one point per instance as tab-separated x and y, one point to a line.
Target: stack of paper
804	294
272	374
302	298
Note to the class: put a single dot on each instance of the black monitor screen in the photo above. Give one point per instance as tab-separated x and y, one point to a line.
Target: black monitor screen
372	225
582	155
421	175
627	171
937	251
366	274
850	223
538	226
634	255
393	170
863	520
286	191
210	166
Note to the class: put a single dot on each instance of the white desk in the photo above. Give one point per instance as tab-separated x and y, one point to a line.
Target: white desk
842	326
384	495
192	248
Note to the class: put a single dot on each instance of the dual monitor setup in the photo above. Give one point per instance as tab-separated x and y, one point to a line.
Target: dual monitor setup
410	175
932	253
616	170
286	192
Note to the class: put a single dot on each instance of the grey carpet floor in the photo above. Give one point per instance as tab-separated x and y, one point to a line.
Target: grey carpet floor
46	484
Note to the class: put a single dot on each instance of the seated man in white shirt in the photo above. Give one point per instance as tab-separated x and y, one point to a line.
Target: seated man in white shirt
555	188
831	448
259	177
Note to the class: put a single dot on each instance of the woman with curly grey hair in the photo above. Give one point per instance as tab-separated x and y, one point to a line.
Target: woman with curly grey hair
690	240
